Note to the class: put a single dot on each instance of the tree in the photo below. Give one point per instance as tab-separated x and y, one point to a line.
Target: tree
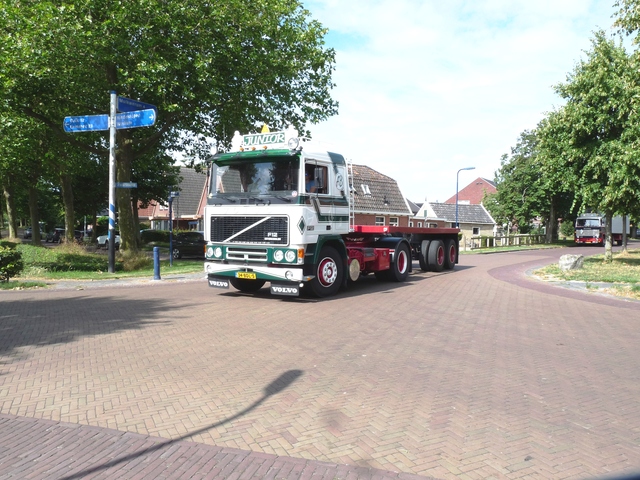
597	131
210	67
524	192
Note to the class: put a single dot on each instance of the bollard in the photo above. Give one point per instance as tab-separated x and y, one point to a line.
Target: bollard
156	263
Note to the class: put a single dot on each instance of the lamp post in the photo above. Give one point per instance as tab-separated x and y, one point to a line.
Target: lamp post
457	176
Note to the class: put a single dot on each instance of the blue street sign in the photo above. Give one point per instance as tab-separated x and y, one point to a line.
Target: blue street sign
138	118
86	123
126	185
129	105
174	194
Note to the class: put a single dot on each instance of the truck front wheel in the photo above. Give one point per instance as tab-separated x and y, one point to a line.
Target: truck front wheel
329	273
247	286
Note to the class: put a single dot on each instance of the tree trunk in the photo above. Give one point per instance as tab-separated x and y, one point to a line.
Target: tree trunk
551	224
125	212
34	213
7	188
608	240
624	233
67	199
136	219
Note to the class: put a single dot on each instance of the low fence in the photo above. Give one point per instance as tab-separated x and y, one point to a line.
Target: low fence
476	242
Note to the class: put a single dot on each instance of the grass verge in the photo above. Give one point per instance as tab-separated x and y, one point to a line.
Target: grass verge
74	262
622	275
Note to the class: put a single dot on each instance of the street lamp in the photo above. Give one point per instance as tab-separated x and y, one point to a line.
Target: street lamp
457	176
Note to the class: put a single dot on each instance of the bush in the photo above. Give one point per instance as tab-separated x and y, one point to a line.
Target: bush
567	229
135	261
11	264
152	236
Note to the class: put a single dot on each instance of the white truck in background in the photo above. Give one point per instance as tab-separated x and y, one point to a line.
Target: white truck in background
591	228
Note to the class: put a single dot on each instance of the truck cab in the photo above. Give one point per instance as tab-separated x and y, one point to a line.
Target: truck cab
272	201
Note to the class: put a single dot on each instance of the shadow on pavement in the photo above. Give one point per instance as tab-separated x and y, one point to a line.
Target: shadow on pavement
47	322
277	386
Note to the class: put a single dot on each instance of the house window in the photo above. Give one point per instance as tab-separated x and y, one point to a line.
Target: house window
410	223
476	230
380	221
393	221
419	224
433	225
365	189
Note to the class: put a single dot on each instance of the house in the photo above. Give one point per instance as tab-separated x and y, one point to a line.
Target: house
473	193
473	220
424	217
187	208
378	199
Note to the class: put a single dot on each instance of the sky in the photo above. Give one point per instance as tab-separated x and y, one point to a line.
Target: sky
428	87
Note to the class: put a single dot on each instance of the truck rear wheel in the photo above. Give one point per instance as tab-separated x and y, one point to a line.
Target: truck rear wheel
451	254
436	256
247	286
422	257
399	269
329	273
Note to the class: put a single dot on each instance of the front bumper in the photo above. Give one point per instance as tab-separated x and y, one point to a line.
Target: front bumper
291	273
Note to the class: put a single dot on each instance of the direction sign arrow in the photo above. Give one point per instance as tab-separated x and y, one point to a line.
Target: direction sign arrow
129	105
126	185
86	123
138	118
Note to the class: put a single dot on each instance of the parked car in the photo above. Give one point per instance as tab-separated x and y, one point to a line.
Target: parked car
190	244
55	236
103	241
28	233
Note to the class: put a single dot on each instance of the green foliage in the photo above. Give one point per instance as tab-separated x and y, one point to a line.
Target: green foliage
567	229
154	236
11	264
133	261
210	68
65	258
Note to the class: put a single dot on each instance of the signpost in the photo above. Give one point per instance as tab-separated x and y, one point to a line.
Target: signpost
129	105
86	123
126	185
139	118
134	114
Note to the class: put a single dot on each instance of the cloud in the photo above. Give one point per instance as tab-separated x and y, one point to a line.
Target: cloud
428	87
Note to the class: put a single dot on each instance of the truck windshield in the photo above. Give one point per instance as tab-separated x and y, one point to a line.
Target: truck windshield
276	178
588	222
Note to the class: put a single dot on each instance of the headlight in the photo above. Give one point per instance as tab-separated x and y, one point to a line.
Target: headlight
209	252
217	252
278	255
290	256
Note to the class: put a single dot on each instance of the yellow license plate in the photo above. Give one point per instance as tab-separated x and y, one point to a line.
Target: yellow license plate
247	275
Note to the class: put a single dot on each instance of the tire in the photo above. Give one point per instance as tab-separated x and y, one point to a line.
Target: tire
450	254
247	286
422	257
436	256
177	254
399	269
329	273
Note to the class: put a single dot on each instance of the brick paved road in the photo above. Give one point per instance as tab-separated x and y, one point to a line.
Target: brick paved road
476	373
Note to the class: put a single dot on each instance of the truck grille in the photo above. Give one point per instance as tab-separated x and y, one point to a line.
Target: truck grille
260	230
